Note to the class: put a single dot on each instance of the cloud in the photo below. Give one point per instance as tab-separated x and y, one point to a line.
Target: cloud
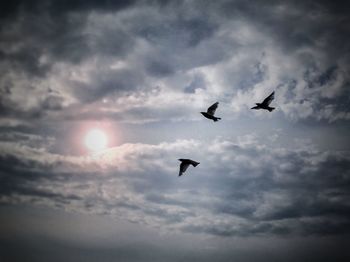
283	192
236	52
142	71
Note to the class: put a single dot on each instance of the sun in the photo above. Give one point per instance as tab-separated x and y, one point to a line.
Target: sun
96	140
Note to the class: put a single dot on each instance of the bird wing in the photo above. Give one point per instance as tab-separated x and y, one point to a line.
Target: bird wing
193	163
269	99
211	110
183	167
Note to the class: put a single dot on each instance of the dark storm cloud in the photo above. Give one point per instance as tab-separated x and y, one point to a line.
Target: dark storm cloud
25	139
48	103
106	82
158	68
297	23
56	28
16	174
314	33
39	33
10	9
155	41
36	35
178	32
197	82
26	166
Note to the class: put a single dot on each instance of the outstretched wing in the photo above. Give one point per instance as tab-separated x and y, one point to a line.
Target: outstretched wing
183	167
269	99
211	110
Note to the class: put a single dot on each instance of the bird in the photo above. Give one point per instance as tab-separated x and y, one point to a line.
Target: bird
211	111
185	164
265	104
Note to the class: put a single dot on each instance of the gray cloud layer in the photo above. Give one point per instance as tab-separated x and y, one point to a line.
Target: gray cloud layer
142	71
70	54
283	192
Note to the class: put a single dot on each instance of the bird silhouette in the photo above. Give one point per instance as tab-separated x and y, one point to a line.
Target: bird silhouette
265	104
185	164
211	111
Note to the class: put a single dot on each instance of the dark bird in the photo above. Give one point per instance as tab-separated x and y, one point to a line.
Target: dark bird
265	104
211	111
184	165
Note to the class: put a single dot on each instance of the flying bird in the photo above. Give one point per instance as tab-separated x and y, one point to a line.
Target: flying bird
185	164
211	111
265	104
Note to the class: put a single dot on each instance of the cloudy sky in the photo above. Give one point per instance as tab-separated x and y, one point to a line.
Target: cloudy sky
269	187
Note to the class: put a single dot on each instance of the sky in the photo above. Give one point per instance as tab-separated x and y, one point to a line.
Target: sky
269	186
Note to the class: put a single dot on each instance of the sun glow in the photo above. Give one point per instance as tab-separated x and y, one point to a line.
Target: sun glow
96	140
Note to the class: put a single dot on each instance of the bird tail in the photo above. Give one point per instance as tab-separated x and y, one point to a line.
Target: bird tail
271	109
217	119
196	164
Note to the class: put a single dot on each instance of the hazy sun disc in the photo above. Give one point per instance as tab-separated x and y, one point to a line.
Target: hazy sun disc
96	140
